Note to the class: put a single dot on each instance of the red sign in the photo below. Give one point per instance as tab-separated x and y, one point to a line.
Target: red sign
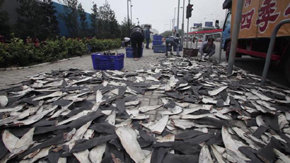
260	17
287	11
267	14
247	19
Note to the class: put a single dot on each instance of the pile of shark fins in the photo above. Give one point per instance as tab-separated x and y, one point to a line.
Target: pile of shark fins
202	115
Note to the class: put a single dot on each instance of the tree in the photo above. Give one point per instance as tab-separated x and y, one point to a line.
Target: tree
36	19
49	19
83	21
71	17
169	33
108	25
4	27
166	34
28	20
94	19
125	28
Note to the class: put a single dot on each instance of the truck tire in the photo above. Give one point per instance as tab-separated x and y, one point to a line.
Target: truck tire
287	69
228	49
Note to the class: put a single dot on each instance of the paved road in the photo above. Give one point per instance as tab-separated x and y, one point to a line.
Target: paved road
149	58
15	76
255	66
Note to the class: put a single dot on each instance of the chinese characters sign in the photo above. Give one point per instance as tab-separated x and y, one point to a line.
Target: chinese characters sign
287	11
247	19
259	18
267	14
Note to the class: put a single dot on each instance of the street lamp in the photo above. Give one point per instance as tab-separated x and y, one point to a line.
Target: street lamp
131	14
128	10
128	19
177	33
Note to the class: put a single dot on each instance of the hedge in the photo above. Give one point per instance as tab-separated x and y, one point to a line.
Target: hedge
19	53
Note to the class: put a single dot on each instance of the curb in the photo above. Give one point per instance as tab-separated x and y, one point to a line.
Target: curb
38	65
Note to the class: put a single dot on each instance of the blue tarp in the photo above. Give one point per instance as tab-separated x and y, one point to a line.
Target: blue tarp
60	10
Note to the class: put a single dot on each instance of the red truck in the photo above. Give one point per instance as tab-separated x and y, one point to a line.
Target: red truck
259	18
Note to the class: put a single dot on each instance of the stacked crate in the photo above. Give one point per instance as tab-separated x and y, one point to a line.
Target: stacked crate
157	44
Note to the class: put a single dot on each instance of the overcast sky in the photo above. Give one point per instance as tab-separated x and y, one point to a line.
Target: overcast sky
160	13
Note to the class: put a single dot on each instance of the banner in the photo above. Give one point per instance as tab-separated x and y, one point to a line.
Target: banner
260	17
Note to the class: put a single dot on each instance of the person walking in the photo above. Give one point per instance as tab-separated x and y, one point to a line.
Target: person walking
147	36
207	49
137	38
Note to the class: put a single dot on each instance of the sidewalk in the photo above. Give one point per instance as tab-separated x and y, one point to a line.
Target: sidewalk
15	76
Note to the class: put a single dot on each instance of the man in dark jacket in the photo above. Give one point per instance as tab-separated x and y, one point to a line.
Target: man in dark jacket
137	38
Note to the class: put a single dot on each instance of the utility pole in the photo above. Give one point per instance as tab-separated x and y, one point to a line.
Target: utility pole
177	32
170	22
189	10
131	11
187	35
173	21
182	37
128	18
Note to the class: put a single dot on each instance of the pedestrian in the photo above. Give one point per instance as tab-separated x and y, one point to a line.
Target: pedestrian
171	42
207	49
147	36
137	38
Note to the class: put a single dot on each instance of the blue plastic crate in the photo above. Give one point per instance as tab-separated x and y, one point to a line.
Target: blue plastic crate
105	62
129	52
159	49
157	37
158	42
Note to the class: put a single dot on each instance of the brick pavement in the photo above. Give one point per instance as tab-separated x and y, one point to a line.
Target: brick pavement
9	77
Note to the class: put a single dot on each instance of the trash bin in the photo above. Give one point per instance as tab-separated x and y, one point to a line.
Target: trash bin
129	52
190	52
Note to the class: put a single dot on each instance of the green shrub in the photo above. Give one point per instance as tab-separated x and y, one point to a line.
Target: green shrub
3	55
18	53
97	45
75	47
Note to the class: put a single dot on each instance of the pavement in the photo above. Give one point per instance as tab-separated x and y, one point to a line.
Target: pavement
9	78
253	65
12	78
151	98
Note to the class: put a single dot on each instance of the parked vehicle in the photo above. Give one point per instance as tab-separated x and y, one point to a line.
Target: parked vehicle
259	18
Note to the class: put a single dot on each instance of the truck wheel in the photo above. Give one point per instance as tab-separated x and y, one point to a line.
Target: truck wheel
238	55
287	69
228	50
